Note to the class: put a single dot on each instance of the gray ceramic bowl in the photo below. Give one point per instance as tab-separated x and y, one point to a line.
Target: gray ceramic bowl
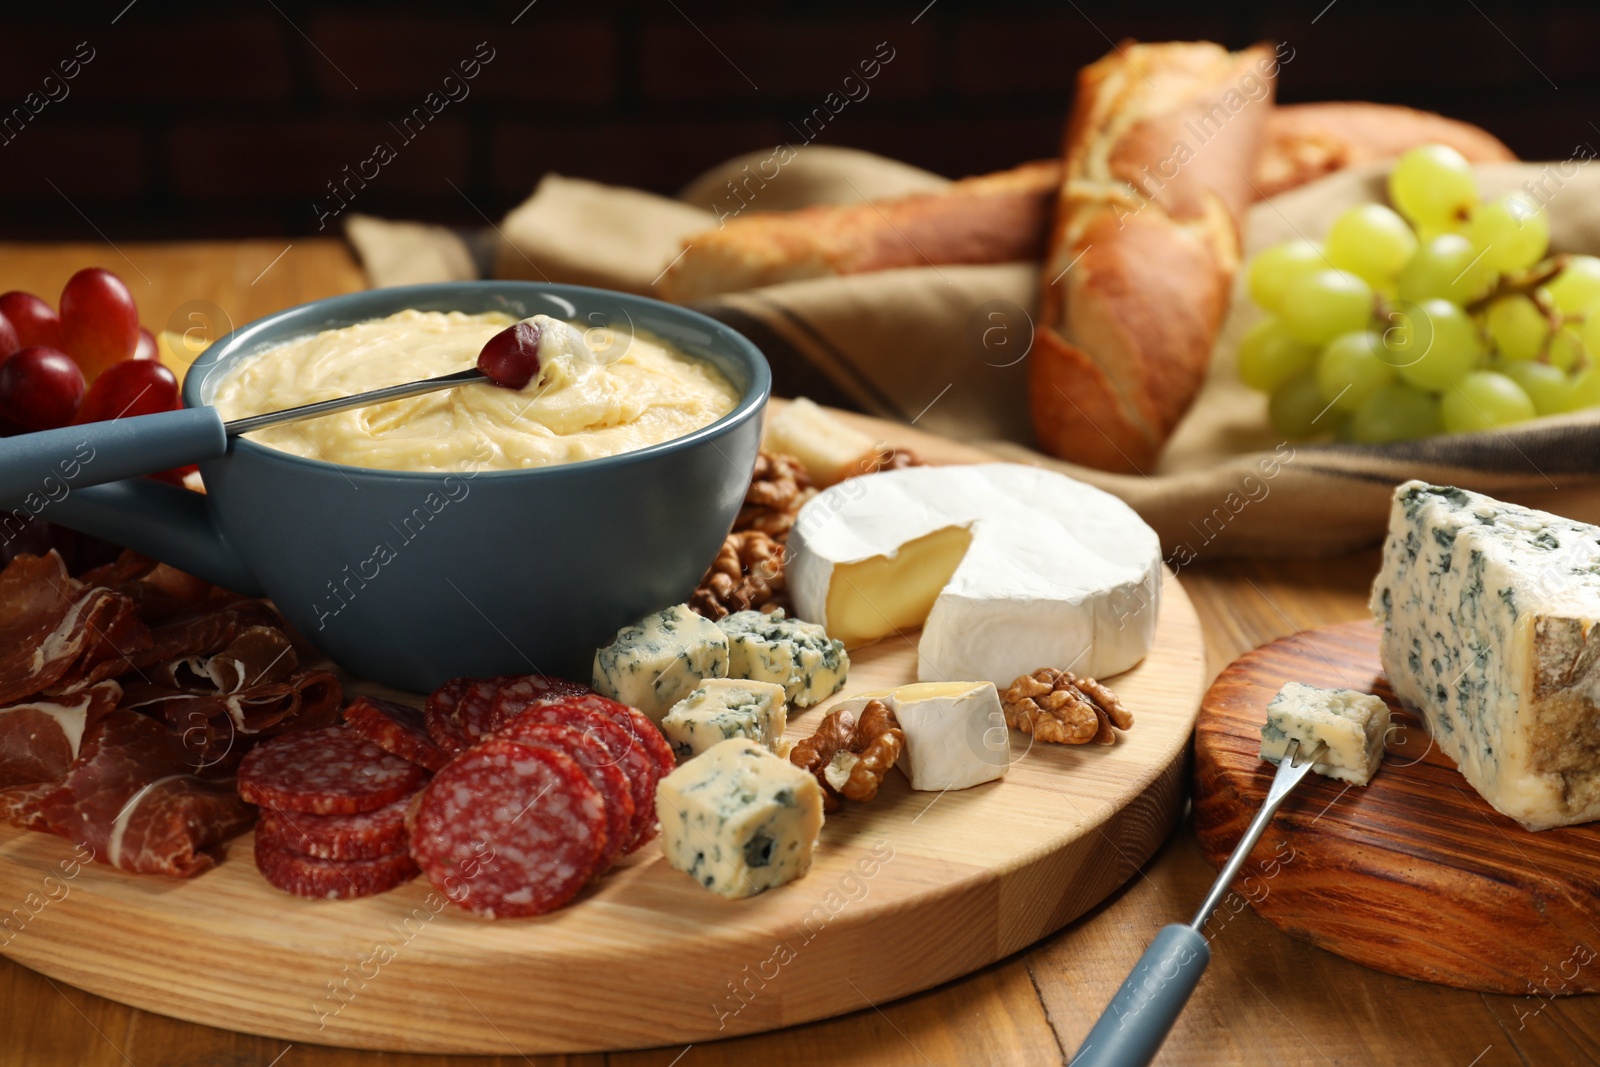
411	578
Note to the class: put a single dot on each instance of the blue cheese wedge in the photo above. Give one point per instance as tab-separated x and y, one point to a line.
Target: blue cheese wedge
956	735
1352	725
1489	614
661	659
738	819
726	707
800	656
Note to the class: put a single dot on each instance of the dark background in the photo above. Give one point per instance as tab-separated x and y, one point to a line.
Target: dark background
230	119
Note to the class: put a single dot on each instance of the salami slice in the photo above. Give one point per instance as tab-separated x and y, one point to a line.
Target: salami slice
398	729
474	712
621	748
520	694
365	836
509	829
306	876
594	757
644	732
331	771
439	715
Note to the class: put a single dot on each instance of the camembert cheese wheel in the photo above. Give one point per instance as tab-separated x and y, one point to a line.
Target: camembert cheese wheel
1006	569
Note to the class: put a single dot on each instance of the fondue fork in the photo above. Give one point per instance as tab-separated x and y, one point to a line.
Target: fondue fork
1136	1022
41	463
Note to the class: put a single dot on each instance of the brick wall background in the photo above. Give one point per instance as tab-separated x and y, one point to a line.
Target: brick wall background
198	119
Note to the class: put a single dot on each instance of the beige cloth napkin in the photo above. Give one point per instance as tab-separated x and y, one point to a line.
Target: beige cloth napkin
943	347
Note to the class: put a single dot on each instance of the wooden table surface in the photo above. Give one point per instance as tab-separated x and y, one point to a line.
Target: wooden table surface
1265	999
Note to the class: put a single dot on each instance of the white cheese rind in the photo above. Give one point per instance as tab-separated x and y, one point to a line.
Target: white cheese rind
1489	617
1350	723
722	708
956	735
738	819
661	659
800	656
1058	574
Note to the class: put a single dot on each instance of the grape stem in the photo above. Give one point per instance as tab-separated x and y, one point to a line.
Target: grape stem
1526	284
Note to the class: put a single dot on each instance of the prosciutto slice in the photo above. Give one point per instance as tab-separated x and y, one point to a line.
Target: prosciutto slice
159	589
40	738
217	728
57	633
131	799
19	805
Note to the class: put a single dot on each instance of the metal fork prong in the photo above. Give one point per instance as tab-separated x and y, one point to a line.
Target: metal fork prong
1290	773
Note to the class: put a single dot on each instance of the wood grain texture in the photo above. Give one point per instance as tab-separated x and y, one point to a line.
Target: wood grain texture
646	956
1414	874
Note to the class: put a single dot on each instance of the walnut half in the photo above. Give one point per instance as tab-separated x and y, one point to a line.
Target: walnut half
1058	706
849	755
747	574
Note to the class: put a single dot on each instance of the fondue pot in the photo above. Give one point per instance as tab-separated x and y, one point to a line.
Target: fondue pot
411	578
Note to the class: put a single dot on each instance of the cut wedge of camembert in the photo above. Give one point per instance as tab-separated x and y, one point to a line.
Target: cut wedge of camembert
1006	568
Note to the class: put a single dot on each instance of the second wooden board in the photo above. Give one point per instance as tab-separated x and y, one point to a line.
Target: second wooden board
1414	874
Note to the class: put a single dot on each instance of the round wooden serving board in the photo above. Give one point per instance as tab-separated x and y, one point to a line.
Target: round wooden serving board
1414	874
906	892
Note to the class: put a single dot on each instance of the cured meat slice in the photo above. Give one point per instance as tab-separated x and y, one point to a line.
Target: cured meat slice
256	655
40	738
205	630
218	729
130	799
318	879
621	749
594	756
159	589
509	829
55	631
331	771
19	805
474	712
398	729
644	732
520	694
365	836
439	714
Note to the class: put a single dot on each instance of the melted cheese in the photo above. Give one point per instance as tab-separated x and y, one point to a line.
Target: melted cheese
598	393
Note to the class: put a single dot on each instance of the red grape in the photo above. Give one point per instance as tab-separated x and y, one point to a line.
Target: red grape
146	346
8	337
99	321
132	387
34	320
40	388
511	357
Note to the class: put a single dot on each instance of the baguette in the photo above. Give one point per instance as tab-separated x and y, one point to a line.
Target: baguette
1155	181
1303	142
995	218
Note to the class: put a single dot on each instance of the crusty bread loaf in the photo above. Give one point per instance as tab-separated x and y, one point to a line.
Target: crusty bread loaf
995	218
1145	242
1303	142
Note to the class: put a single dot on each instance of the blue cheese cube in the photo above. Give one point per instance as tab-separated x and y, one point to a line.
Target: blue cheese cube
800	656
1352	725
722	708
738	819
661	659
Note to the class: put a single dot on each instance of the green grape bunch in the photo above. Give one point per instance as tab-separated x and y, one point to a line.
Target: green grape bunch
1441	314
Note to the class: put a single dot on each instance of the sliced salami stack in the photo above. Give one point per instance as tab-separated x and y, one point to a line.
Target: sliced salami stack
552	785
333	804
